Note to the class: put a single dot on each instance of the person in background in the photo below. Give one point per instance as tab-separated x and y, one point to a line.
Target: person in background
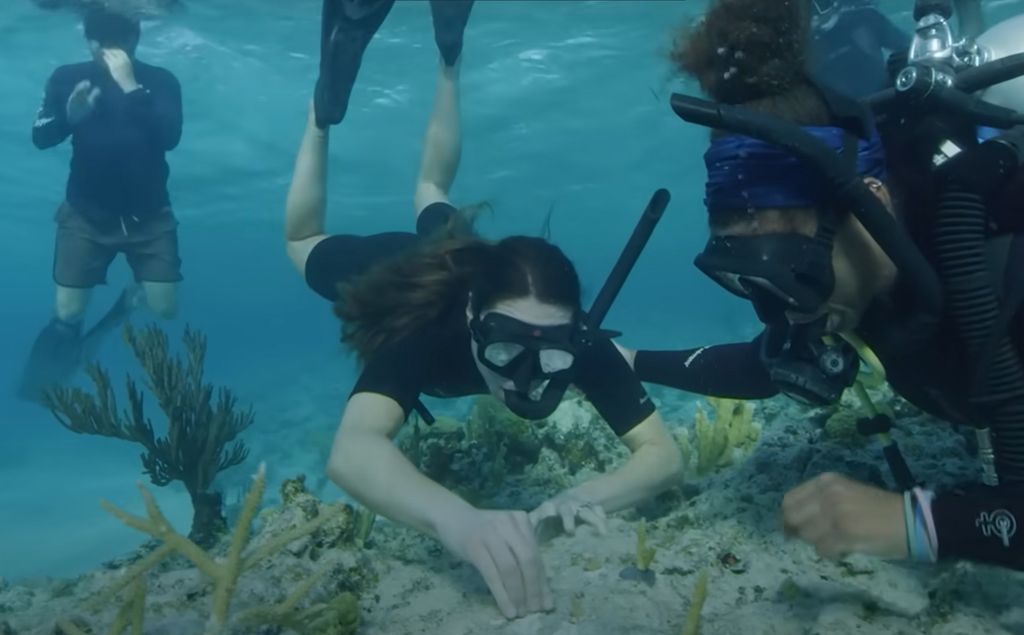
445	313
850	39
123	116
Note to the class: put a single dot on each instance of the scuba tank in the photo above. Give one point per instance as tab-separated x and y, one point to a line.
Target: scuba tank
953	89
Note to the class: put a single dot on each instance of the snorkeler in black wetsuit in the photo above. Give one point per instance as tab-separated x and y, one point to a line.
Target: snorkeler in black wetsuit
787	242
445	313
850	38
123	116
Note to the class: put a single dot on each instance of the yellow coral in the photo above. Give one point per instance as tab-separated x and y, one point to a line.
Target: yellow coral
700	593
644	553
716	443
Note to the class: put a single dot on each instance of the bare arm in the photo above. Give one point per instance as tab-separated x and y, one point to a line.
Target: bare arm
655	465
442	147
366	464
307	195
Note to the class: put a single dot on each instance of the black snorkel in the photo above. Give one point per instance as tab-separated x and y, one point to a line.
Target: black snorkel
589	328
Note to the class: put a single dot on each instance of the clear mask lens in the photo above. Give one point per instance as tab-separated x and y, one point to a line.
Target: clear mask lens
553	360
501	354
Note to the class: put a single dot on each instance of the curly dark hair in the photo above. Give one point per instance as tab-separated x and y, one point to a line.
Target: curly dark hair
754	53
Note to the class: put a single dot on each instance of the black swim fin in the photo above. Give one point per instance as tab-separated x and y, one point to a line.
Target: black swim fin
346	28
450	18
55	355
60	349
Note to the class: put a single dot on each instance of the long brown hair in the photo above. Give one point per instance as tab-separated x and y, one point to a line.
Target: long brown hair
397	297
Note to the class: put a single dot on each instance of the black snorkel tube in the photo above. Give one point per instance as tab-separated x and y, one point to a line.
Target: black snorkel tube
627	260
847	186
590	322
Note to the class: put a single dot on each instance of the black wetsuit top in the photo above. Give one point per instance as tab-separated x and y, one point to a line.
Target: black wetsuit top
930	372
437	359
849	58
118	168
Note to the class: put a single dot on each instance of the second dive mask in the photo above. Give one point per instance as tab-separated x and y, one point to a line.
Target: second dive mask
538	360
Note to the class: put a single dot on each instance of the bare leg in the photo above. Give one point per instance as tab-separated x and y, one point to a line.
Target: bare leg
162	298
307	195
71	304
442	147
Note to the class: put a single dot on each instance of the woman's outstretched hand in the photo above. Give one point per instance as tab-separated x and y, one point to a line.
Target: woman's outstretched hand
502	547
571	509
839	516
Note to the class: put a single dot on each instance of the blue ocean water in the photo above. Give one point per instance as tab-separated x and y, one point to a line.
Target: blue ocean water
565	107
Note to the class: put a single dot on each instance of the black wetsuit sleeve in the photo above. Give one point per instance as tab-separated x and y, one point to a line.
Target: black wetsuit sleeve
325	267
734	371
607	381
397	371
156	108
51	126
980	523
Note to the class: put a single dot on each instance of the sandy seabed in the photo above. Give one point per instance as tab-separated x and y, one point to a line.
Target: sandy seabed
726	524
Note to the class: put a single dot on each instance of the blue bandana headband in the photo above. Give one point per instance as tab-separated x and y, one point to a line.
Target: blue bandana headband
746	173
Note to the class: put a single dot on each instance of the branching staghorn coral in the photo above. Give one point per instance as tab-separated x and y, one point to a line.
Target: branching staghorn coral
201	432
337	617
714	444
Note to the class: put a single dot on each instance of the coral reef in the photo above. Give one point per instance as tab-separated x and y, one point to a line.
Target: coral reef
338	616
477	459
201	434
718	443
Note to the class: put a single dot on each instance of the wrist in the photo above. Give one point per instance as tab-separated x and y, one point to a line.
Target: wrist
129	86
446	518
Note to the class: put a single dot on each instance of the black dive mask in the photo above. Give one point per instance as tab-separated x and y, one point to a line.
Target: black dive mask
776	272
804	366
537	359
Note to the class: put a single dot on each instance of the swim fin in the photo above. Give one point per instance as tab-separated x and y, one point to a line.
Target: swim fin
55	355
450	18
346	28
60	350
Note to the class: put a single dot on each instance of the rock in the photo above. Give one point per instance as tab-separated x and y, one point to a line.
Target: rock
7	629
16	599
892	592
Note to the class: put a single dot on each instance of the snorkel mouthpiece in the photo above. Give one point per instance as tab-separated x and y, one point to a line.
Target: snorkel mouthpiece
519	401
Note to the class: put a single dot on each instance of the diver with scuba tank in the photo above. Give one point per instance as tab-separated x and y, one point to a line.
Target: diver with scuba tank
887	236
